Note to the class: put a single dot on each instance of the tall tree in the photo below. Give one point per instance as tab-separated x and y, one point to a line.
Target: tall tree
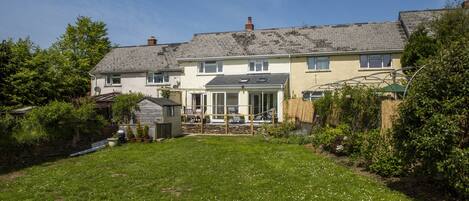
84	44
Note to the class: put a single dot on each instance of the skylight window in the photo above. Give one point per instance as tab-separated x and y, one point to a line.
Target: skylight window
244	80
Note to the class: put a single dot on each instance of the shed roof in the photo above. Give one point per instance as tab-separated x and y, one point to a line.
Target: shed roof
249	80
359	37
161	101
141	59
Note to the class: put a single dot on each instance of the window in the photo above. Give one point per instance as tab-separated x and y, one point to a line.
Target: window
157	78
169	111
375	61
318	63
211	67
258	66
218	101
114	79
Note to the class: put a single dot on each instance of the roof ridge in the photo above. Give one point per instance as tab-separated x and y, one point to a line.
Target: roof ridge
298	27
424	10
161	44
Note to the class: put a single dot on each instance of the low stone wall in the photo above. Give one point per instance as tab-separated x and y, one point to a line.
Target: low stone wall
219	129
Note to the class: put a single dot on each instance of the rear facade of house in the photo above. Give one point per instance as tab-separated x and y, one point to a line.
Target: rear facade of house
251	72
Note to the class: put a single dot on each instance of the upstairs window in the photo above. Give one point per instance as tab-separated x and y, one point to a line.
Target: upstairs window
375	61
318	63
157	78
114	79
211	67
258	66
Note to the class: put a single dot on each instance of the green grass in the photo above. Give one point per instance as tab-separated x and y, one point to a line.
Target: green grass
195	168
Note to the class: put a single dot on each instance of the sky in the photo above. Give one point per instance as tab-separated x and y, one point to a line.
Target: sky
132	22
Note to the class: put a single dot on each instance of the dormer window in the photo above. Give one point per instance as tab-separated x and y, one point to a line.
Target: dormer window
157	78
113	80
211	67
258	66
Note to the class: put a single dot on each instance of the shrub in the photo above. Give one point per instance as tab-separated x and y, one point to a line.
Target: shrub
278	130
455	169
139	130
130	133
59	120
330	138
386	164
7	125
124	105
165	93
145	132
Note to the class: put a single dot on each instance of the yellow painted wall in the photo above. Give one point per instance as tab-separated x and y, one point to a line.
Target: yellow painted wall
341	67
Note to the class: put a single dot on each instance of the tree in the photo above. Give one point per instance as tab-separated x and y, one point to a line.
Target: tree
124	105
84	44
419	47
432	133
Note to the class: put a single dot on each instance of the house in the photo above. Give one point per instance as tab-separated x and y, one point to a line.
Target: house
251	72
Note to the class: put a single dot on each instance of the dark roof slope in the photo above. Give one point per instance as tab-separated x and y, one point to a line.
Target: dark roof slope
162	101
296	40
141	59
249	80
410	20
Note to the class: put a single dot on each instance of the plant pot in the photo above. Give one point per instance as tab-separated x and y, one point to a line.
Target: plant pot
137	139
131	139
112	142
147	140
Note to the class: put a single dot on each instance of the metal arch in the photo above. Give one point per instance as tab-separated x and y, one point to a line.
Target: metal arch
365	80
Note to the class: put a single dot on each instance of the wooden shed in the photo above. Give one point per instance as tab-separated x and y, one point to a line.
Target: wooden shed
162	115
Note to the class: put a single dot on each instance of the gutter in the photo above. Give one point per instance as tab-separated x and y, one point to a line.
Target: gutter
95	81
292	55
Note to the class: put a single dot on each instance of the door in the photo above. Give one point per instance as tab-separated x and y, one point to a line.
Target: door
218	101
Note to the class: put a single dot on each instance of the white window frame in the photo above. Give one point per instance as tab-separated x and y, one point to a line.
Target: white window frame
165	78
263	67
201	68
169	111
313	66
109	80
368	61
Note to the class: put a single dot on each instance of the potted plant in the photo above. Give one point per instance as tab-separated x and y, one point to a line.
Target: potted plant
130	134
146	136
113	141
139	136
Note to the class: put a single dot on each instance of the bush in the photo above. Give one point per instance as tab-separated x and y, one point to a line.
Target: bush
455	170
278	130
146	132
139	130
386	164
124	105
59	120
7	124
130	133
330	138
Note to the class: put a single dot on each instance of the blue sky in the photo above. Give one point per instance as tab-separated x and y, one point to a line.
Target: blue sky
132	22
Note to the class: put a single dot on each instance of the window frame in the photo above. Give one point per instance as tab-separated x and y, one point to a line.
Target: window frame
315	59
264	65
165	78
110	80
201	68
170	111
382	57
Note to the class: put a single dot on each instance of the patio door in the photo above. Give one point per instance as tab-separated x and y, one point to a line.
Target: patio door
199	102
261	104
218	102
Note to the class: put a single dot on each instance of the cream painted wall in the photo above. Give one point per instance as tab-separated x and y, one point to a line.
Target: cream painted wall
341	67
134	82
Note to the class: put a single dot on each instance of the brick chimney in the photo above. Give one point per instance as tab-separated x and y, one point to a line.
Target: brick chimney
465	4
249	26
151	41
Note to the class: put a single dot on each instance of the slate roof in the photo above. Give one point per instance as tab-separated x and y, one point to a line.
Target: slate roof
162	101
251	80
357	37
410	20
141	59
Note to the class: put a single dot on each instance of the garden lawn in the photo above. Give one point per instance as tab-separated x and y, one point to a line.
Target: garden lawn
195	168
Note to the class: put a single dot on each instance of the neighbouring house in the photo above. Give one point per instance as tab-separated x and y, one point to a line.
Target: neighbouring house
251	72
162	115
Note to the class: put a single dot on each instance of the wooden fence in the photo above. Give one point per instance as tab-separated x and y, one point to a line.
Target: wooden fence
389	113
298	110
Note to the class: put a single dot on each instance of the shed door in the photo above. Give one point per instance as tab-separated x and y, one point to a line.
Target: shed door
163	130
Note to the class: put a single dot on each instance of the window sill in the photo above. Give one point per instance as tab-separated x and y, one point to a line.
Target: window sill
208	74
376	69
114	85
318	71
158	84
258	72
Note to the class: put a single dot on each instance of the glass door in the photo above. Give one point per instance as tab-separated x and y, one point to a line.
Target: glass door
218	101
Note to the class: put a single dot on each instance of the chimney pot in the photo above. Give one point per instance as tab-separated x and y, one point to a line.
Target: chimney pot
249	26
151	41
